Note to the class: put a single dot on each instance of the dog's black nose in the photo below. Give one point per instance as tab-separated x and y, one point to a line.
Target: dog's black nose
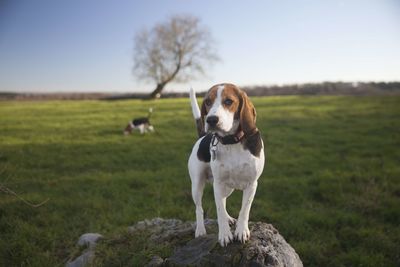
212	120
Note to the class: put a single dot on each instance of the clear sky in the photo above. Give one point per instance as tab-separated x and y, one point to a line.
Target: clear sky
87	45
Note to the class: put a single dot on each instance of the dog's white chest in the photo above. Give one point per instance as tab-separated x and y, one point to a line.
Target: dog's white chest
236	167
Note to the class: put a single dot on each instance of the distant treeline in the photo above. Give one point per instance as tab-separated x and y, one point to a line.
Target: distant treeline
326	88
53	96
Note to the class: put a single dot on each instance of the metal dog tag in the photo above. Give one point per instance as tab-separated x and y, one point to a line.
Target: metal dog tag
214	143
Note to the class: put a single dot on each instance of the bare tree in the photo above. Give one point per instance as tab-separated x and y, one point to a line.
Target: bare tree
178	49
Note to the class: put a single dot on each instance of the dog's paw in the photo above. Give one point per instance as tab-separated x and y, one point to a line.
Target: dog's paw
225	236
200	230
242	233
231	220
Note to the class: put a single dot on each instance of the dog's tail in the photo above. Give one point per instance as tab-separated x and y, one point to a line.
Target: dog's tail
196	113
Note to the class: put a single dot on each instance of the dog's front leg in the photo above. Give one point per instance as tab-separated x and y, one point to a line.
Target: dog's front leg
242	232
220	194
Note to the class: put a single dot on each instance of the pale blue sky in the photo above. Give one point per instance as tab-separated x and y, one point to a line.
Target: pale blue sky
86	45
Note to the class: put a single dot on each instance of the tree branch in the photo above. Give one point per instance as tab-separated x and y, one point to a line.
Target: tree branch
7	190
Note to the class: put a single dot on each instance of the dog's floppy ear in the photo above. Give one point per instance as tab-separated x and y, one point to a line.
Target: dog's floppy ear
247	115
203	111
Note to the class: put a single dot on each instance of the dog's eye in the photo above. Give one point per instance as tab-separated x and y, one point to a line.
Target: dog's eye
228	102
207	102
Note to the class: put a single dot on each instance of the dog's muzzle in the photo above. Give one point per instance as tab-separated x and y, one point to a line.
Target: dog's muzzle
212	121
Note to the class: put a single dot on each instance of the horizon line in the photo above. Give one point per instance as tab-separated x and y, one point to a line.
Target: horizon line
167	90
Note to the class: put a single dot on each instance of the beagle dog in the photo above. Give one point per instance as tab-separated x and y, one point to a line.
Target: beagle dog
141	124
229	153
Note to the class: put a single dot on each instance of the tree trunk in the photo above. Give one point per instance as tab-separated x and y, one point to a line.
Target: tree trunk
157	92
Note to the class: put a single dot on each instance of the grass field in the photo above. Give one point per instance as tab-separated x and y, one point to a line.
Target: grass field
331	185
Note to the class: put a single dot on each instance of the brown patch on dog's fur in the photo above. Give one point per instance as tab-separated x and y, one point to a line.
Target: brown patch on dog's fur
253	143
233	93
128	129
247	115
208	101
200	127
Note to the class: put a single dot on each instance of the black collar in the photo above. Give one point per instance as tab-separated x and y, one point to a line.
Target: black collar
230	139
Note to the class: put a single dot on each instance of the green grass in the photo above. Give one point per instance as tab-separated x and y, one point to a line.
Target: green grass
331	183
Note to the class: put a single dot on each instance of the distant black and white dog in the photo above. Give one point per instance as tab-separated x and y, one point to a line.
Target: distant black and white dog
141	124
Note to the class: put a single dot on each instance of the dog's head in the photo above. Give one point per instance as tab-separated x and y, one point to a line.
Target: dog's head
128	129
226	110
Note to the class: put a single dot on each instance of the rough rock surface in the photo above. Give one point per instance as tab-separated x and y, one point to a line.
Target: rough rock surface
266	246
89	240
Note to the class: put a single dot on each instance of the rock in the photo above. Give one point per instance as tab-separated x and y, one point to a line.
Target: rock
266	246
156	261
194	250
163	230
89	240
83	260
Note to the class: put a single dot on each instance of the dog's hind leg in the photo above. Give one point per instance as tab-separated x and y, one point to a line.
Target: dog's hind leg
198	171
198	184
